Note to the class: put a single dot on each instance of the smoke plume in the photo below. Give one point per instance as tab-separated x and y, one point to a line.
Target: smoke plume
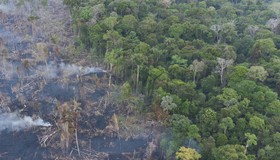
51	70
14	122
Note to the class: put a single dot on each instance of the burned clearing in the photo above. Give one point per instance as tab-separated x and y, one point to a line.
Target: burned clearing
65	108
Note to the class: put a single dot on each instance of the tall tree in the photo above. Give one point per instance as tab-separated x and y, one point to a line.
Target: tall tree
222	66
256	123
226	123
262	48
257	73
195	67
251	140
217	29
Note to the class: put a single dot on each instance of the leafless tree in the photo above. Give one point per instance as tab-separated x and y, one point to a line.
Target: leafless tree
252	30
221	67
273	23
217	28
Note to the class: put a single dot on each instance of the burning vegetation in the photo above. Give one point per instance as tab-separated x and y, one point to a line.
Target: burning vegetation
53	107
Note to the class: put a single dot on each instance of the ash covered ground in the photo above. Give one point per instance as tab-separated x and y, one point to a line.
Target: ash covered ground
55	108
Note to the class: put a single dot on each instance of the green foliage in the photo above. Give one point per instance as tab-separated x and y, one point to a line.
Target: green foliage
207	120
32	18
171	51
263	48
229	97
257	73
126	90
167	103
273	108
233	152
226	123
176	30
187	154
256	123
128	24
238	74
221	139
179	124
251	139
72	3
179	131
178	60
109	22
85	14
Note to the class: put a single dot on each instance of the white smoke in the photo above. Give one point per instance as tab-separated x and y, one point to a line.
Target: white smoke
6	8
14	122
52	70
72	69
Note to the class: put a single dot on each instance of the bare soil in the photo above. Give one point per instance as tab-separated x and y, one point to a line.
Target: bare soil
37	81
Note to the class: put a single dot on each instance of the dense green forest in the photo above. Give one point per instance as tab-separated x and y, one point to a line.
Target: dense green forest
209	70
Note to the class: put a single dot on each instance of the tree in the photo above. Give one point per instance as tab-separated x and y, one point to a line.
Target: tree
238	74
139	59
85	14
109	23
176	30
232	152
185	90
147	25
257	73
227	52
251	140
72	3
259	96
187	154
217	29
241	126
167	103
179	131
266	153
262	48
195	67
193	133
128	24
232	111
221	67
273	108
229	97
207	120
157	77
229	32
256	123
228	11
179	60
122	7
273	24
180	124
226	123
98	11
252	30
243	46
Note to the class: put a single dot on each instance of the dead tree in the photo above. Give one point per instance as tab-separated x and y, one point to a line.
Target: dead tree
252	30
221	67
217	28
68	123
273	24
